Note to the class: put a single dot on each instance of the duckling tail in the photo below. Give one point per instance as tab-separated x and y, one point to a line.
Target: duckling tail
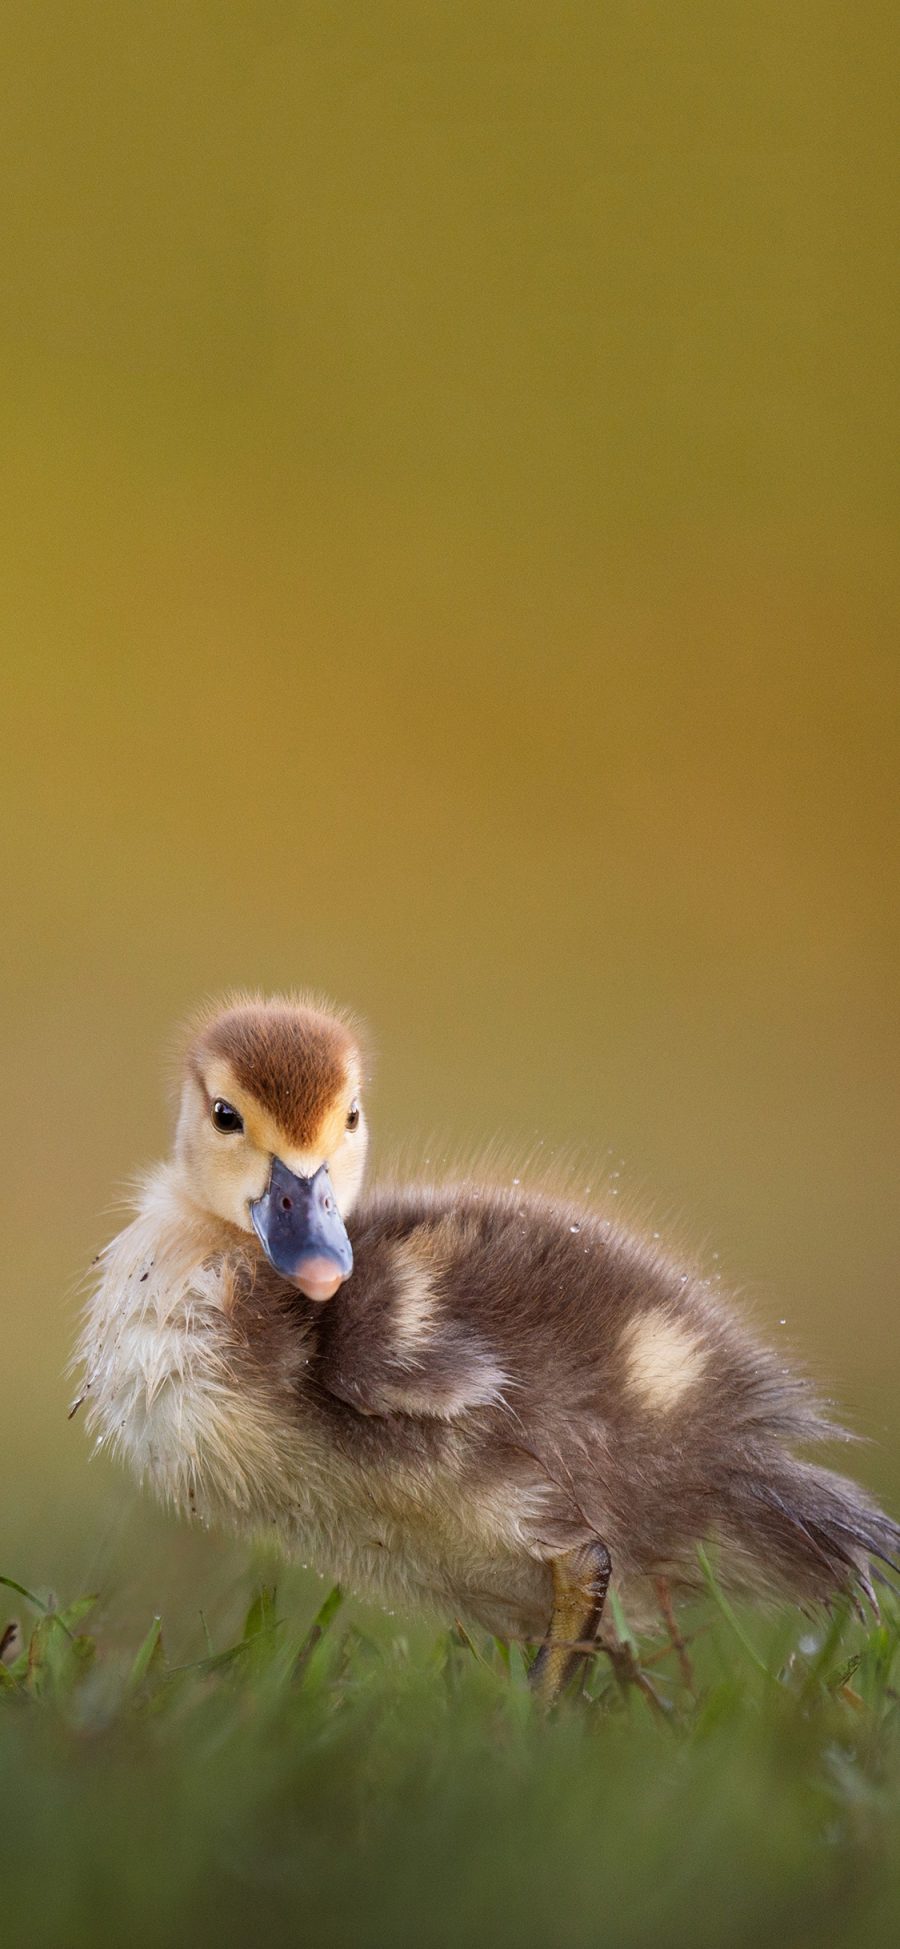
813	1532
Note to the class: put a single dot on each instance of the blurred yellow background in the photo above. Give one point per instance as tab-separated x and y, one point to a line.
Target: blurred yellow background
449	561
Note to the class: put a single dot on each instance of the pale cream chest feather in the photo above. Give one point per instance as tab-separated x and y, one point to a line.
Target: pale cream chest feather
165	1389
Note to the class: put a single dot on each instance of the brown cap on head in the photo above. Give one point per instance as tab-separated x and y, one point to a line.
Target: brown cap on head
292	1057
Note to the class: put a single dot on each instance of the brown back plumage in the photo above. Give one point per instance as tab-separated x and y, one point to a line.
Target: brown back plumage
290	1056
658	1417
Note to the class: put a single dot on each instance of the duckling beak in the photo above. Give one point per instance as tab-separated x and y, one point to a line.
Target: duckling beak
302	1232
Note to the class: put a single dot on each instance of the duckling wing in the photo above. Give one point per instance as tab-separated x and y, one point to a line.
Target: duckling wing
388	1345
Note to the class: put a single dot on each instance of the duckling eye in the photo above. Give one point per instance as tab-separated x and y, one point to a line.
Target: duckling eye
225	1116
353	1116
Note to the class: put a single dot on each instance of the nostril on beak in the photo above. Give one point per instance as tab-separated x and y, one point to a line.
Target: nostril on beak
287	1204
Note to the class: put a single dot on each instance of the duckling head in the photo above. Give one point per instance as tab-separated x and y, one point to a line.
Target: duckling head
271	1134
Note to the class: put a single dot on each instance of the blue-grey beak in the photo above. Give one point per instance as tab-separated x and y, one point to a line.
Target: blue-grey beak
302	1232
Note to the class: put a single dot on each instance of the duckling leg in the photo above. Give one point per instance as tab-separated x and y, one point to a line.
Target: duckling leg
580	1583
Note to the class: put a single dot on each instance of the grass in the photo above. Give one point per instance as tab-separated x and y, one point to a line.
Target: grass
335	1782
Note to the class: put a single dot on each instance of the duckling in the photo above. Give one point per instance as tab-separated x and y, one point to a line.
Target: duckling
474	1398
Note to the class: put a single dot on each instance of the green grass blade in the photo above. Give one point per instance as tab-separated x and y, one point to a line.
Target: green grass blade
720	1600
148	1656
624	1632
38	1602
306	1660
21	1591
261	1615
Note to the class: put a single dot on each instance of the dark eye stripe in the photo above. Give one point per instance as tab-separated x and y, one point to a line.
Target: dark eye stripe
225	1117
